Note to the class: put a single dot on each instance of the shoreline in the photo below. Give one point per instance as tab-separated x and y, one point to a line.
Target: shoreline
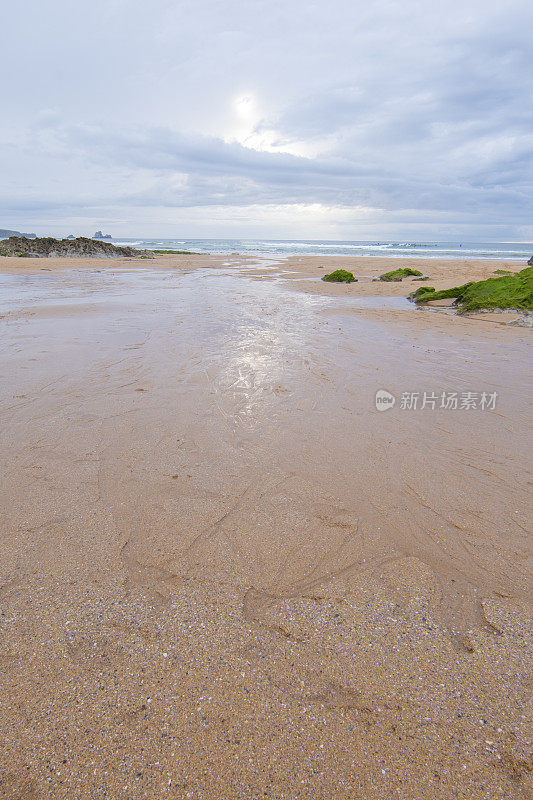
12	264
225	572
302	274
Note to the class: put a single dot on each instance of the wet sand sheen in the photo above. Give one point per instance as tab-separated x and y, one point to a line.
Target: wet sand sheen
225	574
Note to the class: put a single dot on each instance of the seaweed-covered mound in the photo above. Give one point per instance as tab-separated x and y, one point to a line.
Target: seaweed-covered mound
81	247
419	293
399	274
340	276
509	291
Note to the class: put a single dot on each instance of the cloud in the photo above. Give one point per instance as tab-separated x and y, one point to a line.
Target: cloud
417	117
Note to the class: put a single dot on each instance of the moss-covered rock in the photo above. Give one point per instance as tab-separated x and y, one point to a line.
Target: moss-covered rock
455	291
340	276
420	292
399	274
423	278
502	272
46	247
509	291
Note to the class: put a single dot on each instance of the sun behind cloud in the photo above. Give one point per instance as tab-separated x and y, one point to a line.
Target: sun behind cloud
252	129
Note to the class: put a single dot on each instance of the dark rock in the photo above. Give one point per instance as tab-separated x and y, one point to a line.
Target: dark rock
100	235
65	248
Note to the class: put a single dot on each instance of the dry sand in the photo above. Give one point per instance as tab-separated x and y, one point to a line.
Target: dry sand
223	573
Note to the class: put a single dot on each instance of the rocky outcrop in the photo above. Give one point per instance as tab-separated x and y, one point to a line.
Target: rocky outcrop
530	262
4	233
65	248
513	292
100	235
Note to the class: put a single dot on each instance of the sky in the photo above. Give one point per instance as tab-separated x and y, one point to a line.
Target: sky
344	119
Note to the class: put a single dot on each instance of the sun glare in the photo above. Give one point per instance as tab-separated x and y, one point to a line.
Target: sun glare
245	106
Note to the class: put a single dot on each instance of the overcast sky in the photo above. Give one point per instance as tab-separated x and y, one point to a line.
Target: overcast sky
268	118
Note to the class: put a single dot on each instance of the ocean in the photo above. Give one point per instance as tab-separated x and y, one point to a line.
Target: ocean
505	251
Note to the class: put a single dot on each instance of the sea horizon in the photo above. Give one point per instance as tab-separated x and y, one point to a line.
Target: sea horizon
299	247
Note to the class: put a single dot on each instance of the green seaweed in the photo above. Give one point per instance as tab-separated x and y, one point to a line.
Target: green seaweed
509	291
423	278
420	292
340	276
175	252
399	274
455	292
502	272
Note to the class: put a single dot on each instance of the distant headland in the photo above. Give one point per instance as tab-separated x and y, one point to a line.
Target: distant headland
4	233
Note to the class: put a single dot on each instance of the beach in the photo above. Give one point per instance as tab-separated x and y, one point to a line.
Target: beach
224	572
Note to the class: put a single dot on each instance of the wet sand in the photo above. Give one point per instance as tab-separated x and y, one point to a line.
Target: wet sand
223	572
